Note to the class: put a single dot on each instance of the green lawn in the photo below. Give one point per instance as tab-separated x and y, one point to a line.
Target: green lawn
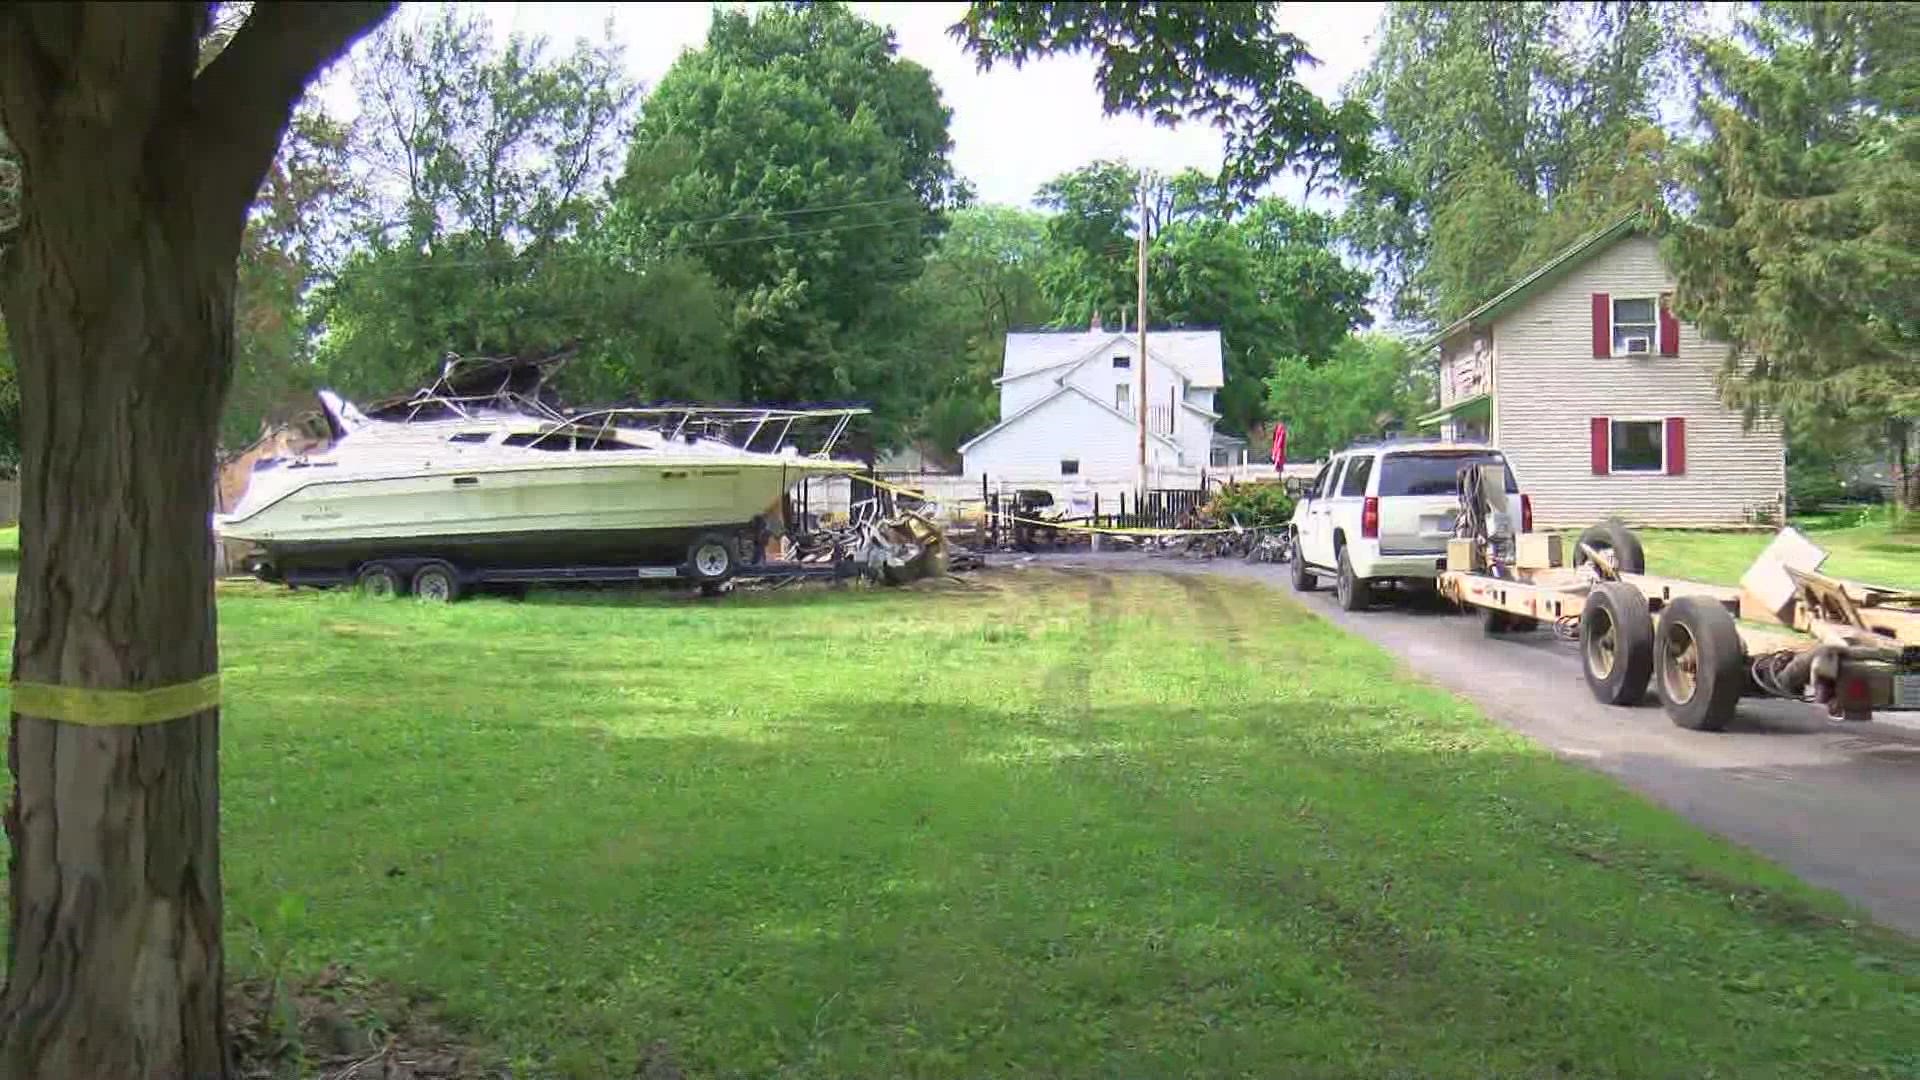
1052	824
1870	552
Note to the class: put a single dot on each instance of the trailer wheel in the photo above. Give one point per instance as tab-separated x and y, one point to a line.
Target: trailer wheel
711	559
1701	664
379	579
436	582
1616	644
1613	537
1353	592
1302	574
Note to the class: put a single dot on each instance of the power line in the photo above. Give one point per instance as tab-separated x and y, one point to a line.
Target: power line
515	260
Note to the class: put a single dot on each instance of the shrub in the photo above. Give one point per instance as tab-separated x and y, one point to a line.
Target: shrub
1251	504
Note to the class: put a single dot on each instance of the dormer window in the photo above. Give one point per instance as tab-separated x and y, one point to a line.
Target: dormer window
1122	363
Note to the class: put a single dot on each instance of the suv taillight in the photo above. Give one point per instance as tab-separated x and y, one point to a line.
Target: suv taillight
1370	518
1526	513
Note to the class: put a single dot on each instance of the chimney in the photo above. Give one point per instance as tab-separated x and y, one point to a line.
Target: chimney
1094	326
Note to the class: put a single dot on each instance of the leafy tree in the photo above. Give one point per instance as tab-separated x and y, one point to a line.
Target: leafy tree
138	164
980	282
295	234
1266	274
1222	63
1505	130
1804	244
487	161
1370	385
804	165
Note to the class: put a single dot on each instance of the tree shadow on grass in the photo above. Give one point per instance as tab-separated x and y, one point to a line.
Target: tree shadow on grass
892	887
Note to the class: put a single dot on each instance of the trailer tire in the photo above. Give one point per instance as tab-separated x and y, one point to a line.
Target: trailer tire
379	579
1303	576
1613	537
1353	592
1700	664
712	559
436	582
1616	644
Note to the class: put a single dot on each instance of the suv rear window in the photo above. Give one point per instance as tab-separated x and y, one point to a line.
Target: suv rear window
1435	472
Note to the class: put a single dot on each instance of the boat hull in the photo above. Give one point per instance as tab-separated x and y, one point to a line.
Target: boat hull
508	517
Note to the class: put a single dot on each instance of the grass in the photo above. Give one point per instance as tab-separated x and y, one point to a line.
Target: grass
1860	549
1050	825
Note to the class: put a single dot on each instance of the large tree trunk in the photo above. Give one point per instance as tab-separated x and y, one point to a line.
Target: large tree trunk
123	328
117	287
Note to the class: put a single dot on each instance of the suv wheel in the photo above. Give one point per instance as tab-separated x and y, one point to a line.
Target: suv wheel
1354	593
1302	574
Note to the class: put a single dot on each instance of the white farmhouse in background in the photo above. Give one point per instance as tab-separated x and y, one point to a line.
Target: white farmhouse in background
1605	402
1067	405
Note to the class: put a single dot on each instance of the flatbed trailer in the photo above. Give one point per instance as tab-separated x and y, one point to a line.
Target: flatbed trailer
468	579
1787	631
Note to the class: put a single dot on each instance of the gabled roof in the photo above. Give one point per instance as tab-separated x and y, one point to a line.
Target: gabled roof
1064	388
1581	250
1195	354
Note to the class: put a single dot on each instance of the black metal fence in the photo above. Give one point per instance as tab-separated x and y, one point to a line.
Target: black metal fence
1015	521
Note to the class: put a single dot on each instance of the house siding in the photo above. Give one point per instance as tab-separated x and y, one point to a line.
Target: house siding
1069	426
1550	386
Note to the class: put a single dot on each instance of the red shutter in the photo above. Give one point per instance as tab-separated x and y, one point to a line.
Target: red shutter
1602	326
1669	328
1676	446
1602	436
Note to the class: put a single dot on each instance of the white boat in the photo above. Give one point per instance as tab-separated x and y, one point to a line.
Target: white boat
469	488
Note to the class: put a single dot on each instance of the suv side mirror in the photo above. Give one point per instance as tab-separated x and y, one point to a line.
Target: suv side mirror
1292	485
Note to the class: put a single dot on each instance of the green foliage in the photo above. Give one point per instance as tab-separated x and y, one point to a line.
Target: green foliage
1370	385
1252	505
804	165
1804	243
980	282
1506	130
1225	64
479	237
1264	273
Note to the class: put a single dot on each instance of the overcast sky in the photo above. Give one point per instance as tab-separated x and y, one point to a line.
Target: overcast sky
1012	129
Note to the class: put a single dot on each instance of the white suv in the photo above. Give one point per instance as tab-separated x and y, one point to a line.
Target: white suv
1385	512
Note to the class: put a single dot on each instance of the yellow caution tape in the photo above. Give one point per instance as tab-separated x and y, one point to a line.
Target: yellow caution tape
116	708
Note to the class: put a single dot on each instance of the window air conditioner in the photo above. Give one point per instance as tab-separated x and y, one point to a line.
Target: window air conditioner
1639	346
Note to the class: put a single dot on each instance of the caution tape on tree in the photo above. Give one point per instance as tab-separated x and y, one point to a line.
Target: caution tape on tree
92	707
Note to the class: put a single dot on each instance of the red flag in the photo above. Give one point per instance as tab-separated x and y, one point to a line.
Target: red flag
1279	446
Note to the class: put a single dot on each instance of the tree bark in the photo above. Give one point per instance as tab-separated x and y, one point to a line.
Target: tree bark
118	294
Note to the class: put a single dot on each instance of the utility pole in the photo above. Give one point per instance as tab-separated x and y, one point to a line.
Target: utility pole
1140	361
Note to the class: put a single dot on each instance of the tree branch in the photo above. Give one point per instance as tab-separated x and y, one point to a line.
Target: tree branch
244	98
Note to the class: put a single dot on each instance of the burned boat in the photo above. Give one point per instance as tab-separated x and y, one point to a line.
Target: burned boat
452	485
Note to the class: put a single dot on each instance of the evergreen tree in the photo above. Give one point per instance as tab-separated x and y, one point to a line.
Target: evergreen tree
1803	249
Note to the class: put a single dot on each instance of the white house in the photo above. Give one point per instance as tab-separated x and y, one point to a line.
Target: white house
1067	405
1604	401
